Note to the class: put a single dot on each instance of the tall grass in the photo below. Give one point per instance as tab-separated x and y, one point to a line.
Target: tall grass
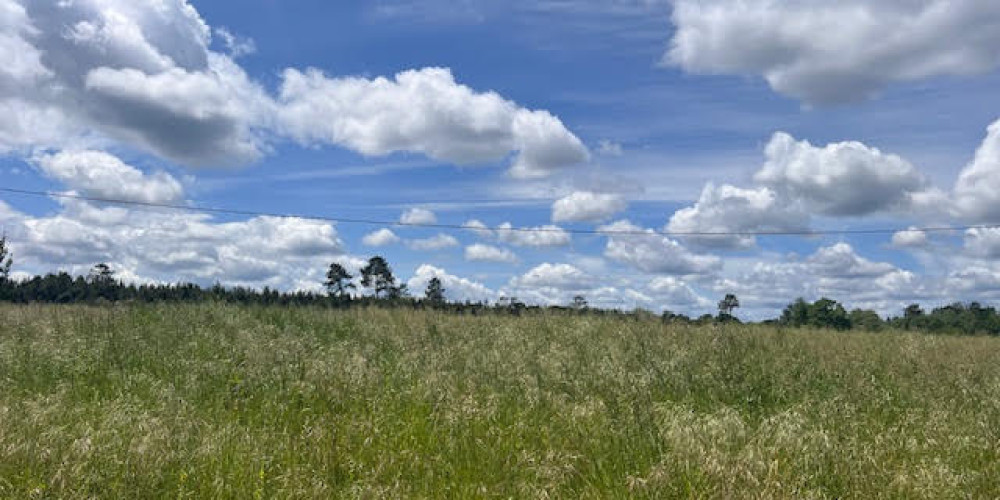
212	401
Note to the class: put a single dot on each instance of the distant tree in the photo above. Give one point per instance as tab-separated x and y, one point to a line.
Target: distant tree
6	259
378	275
867	320
704	319
727	305
435	291
398	291
512	304
338	281
102	274
913	316
795	314
828	313
579	302
672	317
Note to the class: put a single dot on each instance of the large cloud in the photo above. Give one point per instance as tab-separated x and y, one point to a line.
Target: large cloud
455	288
286	253
846	178
836	272
162	245
829	52
143	73
977	192
799	180
983	242
140	72
99	174
729	209
558	284
424	111
648	251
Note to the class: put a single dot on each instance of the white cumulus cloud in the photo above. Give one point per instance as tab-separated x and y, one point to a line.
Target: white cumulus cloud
559	276
101	175
382	237
418	216
487	253
847	178
977	192
84	73
586	206
541	236
455	288
648	251
825	52
424	111
437	242
729	209
909	238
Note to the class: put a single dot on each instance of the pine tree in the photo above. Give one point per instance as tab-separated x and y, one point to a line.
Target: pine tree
338	281
435	291
378	275
6	259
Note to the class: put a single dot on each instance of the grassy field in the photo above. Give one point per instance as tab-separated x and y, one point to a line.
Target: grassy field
219	401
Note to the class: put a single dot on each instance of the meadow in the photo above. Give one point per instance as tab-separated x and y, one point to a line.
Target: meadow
219	401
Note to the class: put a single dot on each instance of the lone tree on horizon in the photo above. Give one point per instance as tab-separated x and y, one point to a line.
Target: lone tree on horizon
6	259
378	275
338	281
102	273
435	291
727	305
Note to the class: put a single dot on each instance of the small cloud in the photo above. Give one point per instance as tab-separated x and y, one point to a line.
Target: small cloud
909	239
609	148
438	242
487	253
417	216
237	46
382	237
478	227
584	206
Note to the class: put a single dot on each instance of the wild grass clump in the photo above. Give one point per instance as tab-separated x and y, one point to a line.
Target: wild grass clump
214	401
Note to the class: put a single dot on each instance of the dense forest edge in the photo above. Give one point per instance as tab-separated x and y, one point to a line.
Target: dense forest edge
101	286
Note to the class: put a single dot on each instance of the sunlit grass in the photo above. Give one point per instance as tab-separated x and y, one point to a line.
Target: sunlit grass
212	401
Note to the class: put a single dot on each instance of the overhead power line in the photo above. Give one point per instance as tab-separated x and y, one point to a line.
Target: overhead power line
376	222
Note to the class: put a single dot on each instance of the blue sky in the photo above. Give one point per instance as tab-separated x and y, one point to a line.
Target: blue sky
669	116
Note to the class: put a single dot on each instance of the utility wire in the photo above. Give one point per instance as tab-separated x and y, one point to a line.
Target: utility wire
375	222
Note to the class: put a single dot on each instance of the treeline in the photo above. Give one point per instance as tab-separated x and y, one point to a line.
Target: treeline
99	288
957	318
100	285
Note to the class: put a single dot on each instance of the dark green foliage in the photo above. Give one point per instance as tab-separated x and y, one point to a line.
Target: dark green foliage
338	281
824	313
6	259
726	307
970	319
378	275
435	291
866	320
